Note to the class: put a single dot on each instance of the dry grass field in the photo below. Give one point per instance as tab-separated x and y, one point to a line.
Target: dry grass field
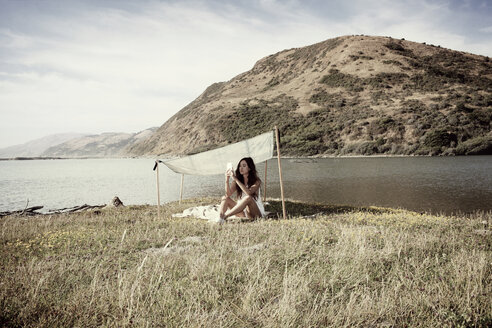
324	266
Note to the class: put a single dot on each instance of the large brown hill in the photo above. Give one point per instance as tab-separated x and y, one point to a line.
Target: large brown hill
348	95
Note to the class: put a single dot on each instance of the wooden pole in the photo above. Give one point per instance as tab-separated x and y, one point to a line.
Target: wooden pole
181	189
280	172
158	192
265	188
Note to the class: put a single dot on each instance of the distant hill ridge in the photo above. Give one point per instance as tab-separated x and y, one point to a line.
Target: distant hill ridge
36	147
69	145
348	95
110	144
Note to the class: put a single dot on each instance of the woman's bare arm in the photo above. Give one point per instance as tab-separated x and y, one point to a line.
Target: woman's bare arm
229	190
248	191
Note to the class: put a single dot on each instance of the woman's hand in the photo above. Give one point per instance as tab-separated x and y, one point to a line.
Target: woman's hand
229	173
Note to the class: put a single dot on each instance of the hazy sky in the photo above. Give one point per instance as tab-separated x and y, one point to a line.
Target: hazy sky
122	66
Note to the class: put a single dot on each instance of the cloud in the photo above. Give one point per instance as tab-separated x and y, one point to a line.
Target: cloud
487	29
95	66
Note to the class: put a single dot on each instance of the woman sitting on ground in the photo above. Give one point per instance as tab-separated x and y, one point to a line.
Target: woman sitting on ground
247	185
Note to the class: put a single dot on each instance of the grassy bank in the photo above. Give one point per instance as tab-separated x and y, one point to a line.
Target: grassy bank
346	267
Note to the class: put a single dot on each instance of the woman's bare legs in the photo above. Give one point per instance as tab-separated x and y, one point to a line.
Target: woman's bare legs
225	204
252	211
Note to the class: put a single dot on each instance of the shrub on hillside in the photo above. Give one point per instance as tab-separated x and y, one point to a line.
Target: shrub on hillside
482	116
394	46
259	117
321	97
462	107
202	148
475	146
436	139
386	80
392	62
367	148
338	79
380	126
425	82
301	146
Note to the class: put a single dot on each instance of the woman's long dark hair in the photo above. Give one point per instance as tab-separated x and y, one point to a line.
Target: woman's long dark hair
252	176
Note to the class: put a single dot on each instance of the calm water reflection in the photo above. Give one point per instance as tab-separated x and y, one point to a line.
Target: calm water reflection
425	183
437	184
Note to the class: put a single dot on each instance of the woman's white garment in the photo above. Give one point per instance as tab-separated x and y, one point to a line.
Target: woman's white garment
258	202
208	212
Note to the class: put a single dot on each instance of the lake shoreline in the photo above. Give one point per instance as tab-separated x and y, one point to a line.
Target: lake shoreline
297	208
22	158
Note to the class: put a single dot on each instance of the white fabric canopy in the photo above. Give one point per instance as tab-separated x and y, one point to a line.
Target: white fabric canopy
211	162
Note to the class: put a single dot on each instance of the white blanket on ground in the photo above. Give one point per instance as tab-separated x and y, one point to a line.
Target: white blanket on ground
209	212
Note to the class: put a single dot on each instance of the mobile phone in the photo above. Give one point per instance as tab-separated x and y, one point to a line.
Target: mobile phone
229	166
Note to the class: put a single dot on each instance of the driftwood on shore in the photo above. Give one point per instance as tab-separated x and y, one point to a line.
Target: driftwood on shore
26	211
33	210
30	211
75	209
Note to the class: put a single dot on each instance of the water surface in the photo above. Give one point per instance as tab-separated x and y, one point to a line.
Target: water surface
437	184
